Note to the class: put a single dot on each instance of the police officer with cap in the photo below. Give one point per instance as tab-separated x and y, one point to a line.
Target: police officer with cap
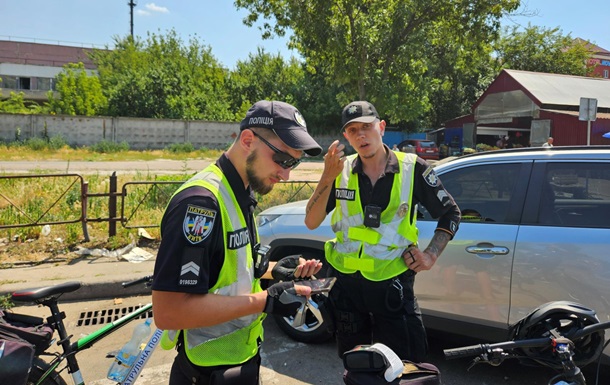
375	255
206	291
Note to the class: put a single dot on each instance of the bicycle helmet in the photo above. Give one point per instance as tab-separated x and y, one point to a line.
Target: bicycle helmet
566	317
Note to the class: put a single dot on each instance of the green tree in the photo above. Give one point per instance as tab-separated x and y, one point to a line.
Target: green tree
542	49
267	76
316	98
460	74
16	104
379	50
263	76
162	78
79	93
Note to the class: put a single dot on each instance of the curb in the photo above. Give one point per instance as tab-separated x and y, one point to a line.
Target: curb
93	291
100	279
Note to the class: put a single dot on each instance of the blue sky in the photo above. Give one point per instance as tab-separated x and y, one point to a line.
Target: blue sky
219	25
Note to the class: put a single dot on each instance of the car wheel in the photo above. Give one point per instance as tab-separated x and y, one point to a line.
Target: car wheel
313	322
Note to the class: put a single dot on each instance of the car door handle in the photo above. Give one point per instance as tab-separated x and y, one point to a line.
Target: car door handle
487	249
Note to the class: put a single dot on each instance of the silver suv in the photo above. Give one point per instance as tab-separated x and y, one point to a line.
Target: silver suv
535	228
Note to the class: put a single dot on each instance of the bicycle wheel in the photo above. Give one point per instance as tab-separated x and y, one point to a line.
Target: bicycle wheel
39	367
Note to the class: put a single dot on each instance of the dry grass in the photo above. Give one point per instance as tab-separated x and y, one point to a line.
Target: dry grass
57	199
15	153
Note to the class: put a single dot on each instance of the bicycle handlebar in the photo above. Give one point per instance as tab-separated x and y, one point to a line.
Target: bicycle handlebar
495	353
147	280
475	350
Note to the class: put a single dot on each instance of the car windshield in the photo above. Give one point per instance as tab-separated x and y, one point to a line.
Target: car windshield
427	144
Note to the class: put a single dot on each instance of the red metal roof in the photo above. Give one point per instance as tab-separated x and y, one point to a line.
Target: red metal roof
551	89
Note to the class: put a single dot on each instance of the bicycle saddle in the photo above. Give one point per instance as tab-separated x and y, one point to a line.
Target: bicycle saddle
29	295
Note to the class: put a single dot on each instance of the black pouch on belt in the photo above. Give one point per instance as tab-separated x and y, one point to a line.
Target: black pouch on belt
246	374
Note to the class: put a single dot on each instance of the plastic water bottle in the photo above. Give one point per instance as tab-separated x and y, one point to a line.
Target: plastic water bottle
128	354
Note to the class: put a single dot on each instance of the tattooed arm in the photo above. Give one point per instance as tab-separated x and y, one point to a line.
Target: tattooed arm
316	207
418	260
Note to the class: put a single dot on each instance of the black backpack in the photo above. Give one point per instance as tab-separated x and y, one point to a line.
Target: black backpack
22	337
16	355
29	328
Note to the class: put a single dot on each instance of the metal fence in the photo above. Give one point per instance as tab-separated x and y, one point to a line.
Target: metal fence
65	199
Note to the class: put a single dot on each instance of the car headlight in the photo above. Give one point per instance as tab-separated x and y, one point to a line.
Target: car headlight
262	220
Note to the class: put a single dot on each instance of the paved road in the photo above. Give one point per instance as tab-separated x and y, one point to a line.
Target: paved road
161	166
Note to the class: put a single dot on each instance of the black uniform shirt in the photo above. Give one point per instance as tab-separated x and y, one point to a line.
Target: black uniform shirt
427	191
192	265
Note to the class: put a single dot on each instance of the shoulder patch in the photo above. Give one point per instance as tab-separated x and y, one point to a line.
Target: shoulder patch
443	197
198	223
454	227
430	177
192	260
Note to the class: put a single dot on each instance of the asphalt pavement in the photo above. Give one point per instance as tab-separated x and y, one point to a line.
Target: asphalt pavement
158	166
284	361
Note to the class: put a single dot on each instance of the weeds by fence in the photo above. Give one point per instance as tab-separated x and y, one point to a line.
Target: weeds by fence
81	211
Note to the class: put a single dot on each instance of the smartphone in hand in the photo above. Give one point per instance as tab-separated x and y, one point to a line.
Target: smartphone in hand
321	285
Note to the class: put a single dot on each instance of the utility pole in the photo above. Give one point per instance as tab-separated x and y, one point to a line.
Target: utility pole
131	4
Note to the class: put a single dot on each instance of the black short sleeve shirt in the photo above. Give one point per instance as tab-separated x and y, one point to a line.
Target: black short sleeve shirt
191	252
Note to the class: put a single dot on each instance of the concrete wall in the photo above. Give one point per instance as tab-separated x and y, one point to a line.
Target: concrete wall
140	133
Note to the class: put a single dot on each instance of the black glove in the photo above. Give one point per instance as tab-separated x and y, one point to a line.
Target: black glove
282	299
284	268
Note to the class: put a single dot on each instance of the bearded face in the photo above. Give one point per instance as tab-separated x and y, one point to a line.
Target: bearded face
256	183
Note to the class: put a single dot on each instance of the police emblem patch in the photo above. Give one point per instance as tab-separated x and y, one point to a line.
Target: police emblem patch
430	177
198	223
299	118
403	209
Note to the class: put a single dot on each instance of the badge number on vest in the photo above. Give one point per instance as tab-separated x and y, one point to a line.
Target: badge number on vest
345	194
198	223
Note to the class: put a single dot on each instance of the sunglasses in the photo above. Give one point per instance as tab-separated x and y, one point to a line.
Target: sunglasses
286	161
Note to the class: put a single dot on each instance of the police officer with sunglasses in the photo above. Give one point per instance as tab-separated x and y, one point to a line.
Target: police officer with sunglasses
206	291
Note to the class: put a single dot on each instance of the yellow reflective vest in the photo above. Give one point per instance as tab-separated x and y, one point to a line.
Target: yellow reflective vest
235	341
375	252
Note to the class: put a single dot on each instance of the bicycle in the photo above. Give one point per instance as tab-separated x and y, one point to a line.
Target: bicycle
562	335
49	372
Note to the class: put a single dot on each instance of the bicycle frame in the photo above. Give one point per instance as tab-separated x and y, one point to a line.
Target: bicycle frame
70	350
48	296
